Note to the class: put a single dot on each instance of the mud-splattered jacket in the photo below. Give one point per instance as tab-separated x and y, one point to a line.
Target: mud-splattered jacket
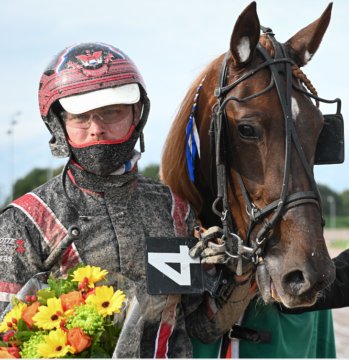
114	217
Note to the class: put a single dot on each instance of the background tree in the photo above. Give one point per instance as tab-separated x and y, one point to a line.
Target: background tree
35	178
345	202
326	193
151	171
32	180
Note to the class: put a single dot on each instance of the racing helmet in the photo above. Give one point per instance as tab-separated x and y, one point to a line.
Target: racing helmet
83	77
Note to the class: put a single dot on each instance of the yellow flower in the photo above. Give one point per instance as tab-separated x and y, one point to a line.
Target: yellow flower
12	317
92	273
106	301
49	317
55	345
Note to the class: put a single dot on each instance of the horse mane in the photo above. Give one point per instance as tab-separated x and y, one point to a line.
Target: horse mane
173	167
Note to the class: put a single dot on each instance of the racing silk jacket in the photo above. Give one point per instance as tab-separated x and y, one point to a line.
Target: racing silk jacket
114	215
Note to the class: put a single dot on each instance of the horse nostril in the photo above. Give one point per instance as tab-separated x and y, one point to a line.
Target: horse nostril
294	282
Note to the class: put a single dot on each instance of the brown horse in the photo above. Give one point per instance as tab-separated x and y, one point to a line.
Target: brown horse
258	130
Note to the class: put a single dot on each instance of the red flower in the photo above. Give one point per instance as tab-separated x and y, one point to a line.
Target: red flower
78	339
89	292
8	335
9	352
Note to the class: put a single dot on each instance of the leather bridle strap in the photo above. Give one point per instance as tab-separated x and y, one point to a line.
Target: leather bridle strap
220	123
284	93
290	201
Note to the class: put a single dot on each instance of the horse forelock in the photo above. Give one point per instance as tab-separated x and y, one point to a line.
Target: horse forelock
296	71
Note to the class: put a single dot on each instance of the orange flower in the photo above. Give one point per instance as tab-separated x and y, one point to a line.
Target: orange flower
29	312
78	340
9	352
72	299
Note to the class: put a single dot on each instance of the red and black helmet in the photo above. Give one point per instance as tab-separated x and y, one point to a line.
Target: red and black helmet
80	69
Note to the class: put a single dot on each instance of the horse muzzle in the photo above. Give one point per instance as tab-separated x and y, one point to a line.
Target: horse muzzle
298	287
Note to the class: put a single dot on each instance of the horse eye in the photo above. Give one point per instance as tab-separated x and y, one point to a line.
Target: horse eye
247	131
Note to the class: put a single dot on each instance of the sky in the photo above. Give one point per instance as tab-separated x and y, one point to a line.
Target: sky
170	41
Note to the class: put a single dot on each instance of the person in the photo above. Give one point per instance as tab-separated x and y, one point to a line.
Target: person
93	101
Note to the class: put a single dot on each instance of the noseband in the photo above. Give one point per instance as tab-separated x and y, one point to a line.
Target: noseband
221	148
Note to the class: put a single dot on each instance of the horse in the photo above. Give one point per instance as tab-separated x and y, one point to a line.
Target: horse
242	149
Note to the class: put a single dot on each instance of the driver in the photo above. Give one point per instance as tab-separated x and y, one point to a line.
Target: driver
93	101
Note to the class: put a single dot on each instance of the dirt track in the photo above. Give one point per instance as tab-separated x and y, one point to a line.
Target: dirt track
341	328
341	316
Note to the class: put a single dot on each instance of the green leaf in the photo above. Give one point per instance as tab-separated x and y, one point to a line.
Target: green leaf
63	286
83	355
45	294
60	286
15	301
110	337
99	352
23	336
22	326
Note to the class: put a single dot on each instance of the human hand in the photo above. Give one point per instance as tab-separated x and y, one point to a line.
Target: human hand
212	250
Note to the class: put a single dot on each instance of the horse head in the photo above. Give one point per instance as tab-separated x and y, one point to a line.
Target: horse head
257	133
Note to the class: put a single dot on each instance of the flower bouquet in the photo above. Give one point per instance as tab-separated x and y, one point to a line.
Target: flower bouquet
70	318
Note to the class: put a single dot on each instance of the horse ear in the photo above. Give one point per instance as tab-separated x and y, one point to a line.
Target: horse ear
305	43
245	36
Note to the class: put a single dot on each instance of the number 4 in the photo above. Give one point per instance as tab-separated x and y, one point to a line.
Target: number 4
160	261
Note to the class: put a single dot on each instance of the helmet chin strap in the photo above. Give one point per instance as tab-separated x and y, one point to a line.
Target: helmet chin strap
141	142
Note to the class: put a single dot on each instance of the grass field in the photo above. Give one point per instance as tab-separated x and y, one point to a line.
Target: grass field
341	222
337	238
340	244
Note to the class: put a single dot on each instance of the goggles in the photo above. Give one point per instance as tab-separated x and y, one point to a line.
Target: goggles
117	115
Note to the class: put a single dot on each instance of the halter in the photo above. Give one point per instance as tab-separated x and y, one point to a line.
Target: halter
221	146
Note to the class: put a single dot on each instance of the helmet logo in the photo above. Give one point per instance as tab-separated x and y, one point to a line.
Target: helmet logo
91	59
92	63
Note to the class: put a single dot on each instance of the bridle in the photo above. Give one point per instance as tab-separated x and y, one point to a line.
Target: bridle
221	150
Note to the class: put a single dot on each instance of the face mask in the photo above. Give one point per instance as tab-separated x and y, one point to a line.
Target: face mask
103	159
